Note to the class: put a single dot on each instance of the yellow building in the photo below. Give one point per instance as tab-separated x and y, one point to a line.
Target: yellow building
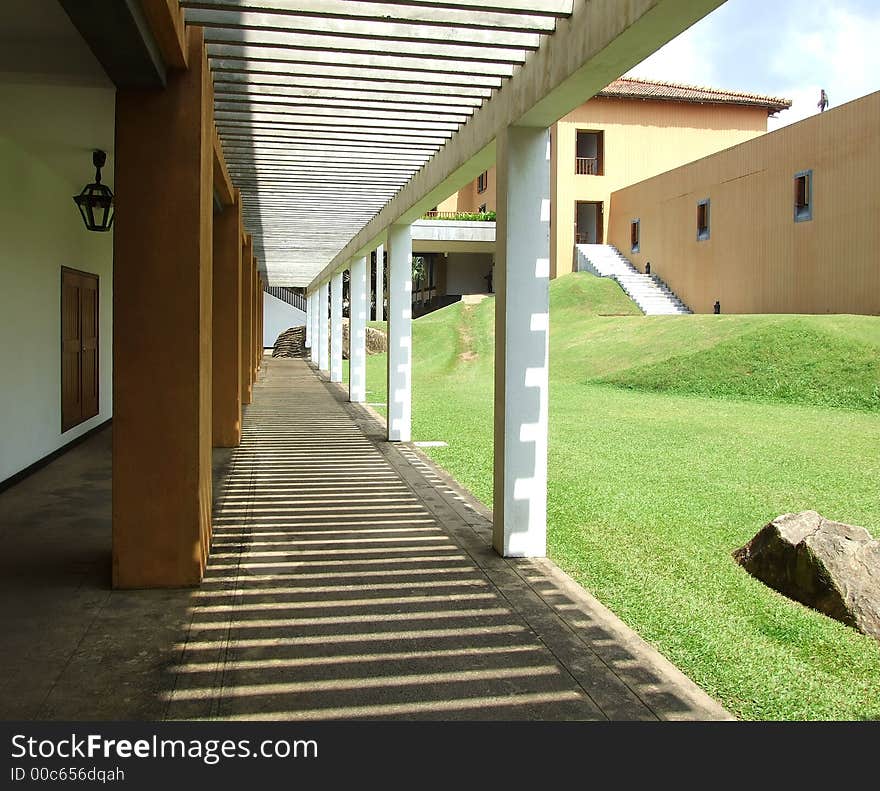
783	224
628	132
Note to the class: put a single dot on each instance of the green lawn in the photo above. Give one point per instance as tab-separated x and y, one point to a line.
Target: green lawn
672	441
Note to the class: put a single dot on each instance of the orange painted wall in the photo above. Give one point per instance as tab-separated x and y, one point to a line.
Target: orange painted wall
469	199
758	259
641	139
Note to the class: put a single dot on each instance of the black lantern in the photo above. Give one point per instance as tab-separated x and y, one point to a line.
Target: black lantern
95	202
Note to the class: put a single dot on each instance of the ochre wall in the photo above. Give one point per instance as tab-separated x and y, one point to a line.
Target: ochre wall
641	139
469	199
758	259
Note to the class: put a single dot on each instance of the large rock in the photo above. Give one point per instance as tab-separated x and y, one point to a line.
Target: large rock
830	566
290	343
377	341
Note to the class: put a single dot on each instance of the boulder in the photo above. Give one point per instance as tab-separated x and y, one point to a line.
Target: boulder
290	343
377	341
830	566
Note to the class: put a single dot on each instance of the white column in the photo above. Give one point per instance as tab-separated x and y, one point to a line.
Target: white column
399	333
357	332
316	340
380	282
336	328
309	309
522	311
323	329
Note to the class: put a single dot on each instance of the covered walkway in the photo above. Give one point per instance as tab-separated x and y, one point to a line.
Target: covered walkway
349	578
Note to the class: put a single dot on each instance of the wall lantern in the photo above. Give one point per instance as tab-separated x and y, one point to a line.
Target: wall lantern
95	202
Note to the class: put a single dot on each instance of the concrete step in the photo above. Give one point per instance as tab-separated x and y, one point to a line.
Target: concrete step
650	293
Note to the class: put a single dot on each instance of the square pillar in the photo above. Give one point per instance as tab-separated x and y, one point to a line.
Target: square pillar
255	316
323	328
308	339
336	328
226	312
162	300
522	312
259	307
316	340
247	320
357	332
399	333
380	283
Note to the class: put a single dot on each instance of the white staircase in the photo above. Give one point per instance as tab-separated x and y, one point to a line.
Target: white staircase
649	292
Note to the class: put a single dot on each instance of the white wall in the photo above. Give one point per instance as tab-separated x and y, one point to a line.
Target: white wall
278	316
466	273
41	231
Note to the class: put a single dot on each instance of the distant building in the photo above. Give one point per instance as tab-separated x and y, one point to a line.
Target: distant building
630	131
786	223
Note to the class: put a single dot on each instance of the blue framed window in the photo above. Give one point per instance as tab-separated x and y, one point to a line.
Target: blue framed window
803	196
703	220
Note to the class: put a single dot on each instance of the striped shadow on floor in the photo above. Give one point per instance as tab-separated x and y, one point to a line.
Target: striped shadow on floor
349	579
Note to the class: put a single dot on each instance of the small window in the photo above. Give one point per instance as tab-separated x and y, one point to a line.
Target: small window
634	235
482	209
483	181
703	220
589	153
803	196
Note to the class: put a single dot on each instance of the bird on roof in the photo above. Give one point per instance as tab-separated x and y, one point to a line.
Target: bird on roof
823	101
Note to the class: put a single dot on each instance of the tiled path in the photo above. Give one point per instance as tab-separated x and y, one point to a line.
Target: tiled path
349	578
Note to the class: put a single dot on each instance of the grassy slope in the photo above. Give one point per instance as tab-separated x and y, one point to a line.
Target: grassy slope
653	484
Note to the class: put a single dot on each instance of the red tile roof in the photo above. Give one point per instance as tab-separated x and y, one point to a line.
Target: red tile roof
631	88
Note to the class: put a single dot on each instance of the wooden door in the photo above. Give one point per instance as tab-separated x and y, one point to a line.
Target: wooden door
79	347
589	222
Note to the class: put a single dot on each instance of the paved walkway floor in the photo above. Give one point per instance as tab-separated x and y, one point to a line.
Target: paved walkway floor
349	578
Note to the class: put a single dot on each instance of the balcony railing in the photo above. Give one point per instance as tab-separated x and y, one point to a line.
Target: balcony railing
586	166
473	216
287	295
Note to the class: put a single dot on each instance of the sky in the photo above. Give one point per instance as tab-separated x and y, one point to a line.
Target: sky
787	48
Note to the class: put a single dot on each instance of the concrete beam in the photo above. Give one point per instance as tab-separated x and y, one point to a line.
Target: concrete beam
323	88
165	18
230	56
350	32
122	39
268	72
504	16
345	46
